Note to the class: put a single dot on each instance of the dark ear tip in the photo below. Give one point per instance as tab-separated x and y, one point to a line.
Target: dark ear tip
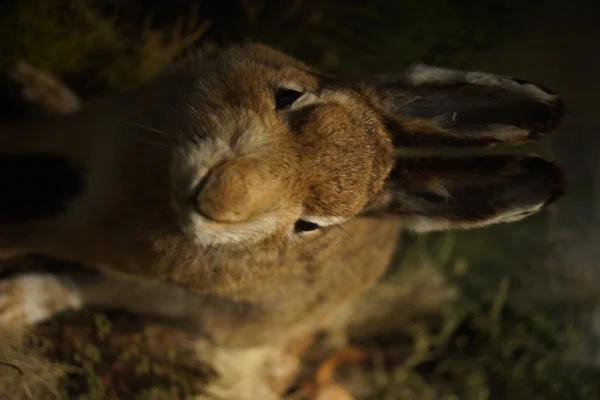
553	114
521	81
557	113
558	186
555	196
549	173
554	117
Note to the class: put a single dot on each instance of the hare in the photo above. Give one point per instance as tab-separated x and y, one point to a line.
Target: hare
249	196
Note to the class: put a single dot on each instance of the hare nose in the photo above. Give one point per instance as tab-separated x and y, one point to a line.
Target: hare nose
237	191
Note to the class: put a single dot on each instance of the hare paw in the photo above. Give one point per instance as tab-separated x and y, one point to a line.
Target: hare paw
31	298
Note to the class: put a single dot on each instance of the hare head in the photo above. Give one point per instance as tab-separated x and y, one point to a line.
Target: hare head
276	148
250	148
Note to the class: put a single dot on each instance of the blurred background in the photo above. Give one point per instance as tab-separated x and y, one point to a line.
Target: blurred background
510	311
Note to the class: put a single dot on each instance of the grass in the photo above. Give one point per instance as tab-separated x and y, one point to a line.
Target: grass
477	345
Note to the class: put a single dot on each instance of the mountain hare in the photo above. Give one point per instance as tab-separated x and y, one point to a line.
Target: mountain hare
249	196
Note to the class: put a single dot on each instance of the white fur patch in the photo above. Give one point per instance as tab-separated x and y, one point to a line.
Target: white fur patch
306	99
422	224
45	90
421	74
318	220
246	373
324	221
32	298
210	233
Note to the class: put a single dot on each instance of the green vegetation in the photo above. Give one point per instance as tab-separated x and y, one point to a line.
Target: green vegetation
477	346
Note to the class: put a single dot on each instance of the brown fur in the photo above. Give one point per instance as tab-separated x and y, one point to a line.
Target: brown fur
194	185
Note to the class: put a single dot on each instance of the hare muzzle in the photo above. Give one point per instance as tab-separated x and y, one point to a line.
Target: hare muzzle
237	191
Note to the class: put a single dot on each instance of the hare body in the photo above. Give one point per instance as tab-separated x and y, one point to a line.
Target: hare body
250	196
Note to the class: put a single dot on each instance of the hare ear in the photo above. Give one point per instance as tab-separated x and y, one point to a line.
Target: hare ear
445	193
431	106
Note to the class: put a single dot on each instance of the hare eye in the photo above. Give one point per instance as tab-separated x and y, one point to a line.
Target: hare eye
305	226
285	98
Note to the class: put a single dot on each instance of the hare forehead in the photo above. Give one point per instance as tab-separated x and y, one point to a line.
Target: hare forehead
243	76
